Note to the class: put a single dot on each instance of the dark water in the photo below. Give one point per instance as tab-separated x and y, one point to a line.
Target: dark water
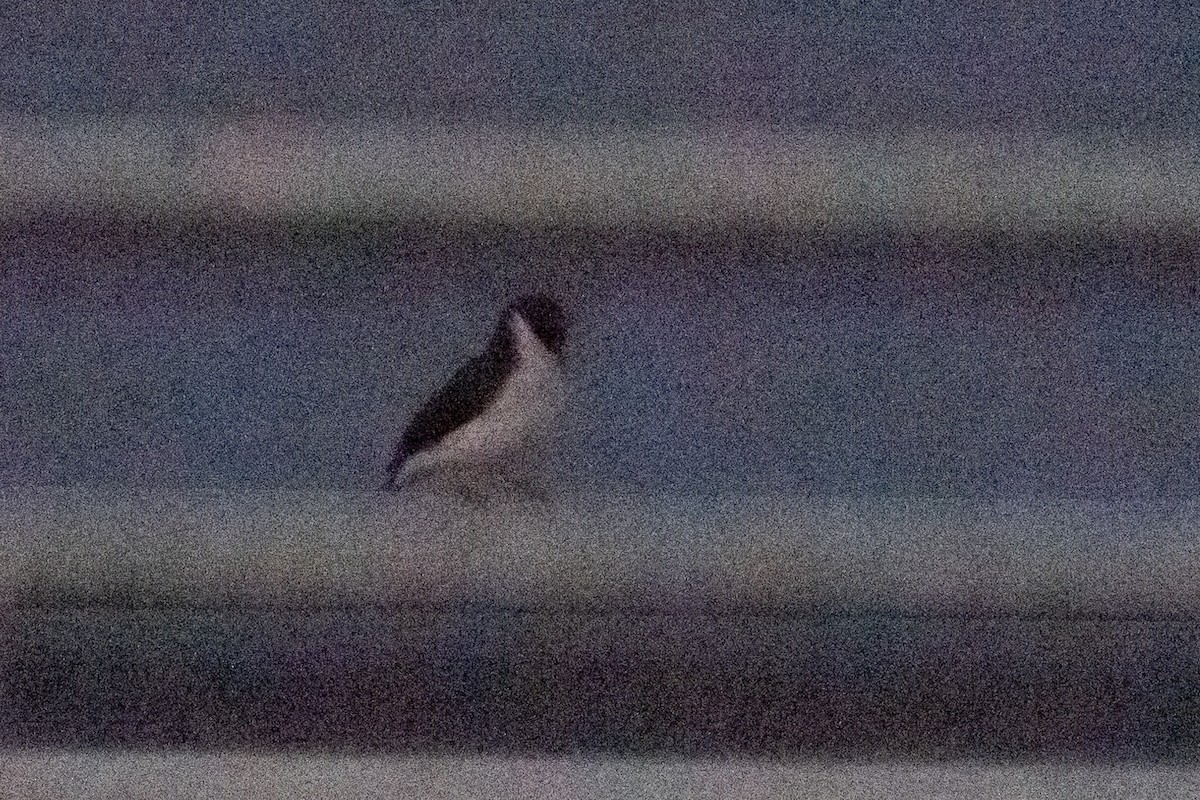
714	362
725	361
1041	67
481	678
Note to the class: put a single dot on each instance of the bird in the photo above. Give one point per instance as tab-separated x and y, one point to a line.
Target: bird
494	404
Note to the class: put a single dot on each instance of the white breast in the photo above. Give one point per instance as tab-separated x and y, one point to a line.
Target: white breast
525	404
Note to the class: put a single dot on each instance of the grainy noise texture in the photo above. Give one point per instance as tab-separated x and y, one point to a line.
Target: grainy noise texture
176	354
600	550
265	776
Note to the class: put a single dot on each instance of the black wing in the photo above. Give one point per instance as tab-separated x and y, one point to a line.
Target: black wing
469	391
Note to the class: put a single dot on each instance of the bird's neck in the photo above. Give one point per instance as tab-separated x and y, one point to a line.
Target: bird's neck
501	343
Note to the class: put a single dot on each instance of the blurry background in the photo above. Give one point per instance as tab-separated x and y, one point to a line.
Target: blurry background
812	250
727	363
811	247
869	66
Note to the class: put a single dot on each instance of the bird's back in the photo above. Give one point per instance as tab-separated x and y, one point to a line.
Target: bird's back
489	408
472	387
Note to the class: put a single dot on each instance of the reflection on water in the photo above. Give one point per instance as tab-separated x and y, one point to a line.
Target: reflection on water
695	684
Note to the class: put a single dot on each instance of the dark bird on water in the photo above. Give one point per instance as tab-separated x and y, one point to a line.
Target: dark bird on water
496	401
